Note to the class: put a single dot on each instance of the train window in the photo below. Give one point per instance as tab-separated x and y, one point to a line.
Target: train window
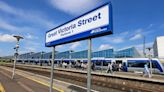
50	56
98	63
136	64
124	64
78	61
105	63
154	64
118	61
55	62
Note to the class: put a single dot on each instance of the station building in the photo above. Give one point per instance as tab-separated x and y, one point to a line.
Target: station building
158	47
130	52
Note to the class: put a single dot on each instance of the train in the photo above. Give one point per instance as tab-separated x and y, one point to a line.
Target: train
128	64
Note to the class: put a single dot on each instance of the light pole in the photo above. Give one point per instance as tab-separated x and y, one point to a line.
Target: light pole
41	57
149	49
70	58
16	53
144	46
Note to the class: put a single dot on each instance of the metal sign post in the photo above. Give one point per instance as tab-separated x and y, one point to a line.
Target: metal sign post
52	69
89	66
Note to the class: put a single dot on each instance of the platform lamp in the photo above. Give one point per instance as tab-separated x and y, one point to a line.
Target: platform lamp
144	39
150	59
16	53
70	57
41	57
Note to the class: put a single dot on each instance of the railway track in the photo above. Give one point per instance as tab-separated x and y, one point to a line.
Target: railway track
100	83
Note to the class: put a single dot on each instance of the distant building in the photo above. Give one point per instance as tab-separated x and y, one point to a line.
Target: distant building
7	57
25	55
130	52
158	47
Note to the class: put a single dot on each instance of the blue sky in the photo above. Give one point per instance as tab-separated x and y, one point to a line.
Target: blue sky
132	20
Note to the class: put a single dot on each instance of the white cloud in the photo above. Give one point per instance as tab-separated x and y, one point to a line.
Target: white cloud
7	26
114	39
150	26
75	45
124	33
31	16
139	47
104	46
59	47
138	34
30	49
7	38
138	30
74	7
136	37
118	40
31	45
29	36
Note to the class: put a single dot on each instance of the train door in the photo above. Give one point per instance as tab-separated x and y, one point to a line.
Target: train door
118	61
124	66
98	64
118	65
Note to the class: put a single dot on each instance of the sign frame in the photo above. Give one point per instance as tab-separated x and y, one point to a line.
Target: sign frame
83	36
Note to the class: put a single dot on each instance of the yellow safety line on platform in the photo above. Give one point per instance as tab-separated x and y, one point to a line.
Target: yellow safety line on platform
2	88
45	84
30	78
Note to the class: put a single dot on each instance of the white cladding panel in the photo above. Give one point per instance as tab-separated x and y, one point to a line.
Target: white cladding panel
160	46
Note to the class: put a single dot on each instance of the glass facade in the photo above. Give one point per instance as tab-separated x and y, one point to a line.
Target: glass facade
108	53
62	55
38	55
128	52
26	55
104	53
47	55
79	55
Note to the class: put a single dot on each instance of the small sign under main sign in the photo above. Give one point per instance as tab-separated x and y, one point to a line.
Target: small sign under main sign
95	23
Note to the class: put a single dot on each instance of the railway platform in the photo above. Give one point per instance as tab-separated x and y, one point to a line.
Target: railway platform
21	83
124	81
130	75
33	79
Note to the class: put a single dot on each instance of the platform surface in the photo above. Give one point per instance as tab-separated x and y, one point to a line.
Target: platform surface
20	84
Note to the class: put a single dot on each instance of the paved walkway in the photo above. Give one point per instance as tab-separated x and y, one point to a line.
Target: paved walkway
21	84
58	85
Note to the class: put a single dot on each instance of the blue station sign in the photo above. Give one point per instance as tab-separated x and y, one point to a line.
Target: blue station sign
95	23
